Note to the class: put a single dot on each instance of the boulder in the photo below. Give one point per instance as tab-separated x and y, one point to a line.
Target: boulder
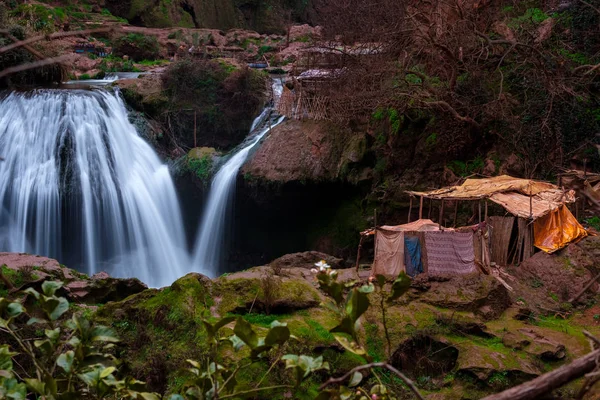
481	294
267	294
483	362
306	260
102	288
542	347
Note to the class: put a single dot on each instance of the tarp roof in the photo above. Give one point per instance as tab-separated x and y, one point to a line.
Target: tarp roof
522	197
419	225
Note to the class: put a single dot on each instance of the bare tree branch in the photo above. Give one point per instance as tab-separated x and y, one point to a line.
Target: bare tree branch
56	35
32	65
389	367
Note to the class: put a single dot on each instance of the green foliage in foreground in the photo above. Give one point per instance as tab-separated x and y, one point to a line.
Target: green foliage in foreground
72	358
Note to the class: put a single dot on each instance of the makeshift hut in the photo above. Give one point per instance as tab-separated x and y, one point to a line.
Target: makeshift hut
422	247
539	218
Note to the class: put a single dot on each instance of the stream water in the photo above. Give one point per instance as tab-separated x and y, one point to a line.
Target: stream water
210	243
77	183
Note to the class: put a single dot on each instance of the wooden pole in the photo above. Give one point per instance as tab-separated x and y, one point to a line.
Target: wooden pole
410	209
530	203
546	383
358	252
441	220
194	128
480	211
486	211
430	205
421	208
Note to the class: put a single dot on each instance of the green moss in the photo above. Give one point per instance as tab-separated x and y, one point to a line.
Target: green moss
201	167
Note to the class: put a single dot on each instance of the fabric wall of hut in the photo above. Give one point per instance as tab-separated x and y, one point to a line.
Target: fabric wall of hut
501	228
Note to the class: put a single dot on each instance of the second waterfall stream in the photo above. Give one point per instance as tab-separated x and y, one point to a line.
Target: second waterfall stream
208	250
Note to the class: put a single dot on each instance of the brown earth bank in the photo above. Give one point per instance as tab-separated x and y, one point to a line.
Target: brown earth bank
461	337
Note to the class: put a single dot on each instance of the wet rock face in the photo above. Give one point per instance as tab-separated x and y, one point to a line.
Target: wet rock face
307	151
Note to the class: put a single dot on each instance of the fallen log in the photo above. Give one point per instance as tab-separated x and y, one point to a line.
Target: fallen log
546	383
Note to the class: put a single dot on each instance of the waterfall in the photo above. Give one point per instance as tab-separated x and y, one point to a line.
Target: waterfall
210	241
77	183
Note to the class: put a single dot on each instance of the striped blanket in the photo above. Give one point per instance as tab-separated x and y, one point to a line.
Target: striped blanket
449	253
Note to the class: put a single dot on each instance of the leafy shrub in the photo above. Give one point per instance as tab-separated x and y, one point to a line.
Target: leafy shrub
70	359
137	46
84	77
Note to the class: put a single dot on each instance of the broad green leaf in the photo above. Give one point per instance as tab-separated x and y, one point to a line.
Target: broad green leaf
92	377
210	329
60	309
6	357
237	342
175	397
222	322
43	345
32	292
356	304
400	286
380	280
16	391
346	326
102	333
65	361
34	320
50	287
194	364
244	331
370	288
52	334
278	334
350	345
36	386
378	389
355	380
290	360
15	309
51	387
258	350
107	371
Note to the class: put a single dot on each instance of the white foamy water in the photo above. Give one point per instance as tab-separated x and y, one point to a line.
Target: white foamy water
78	181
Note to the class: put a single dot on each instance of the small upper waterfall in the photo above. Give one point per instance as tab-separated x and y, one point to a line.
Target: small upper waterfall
77	183
210	241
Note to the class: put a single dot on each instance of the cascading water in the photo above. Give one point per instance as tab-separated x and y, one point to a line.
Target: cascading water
210	240
77	183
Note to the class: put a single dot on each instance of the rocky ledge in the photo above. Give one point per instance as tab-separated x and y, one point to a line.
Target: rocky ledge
470	336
